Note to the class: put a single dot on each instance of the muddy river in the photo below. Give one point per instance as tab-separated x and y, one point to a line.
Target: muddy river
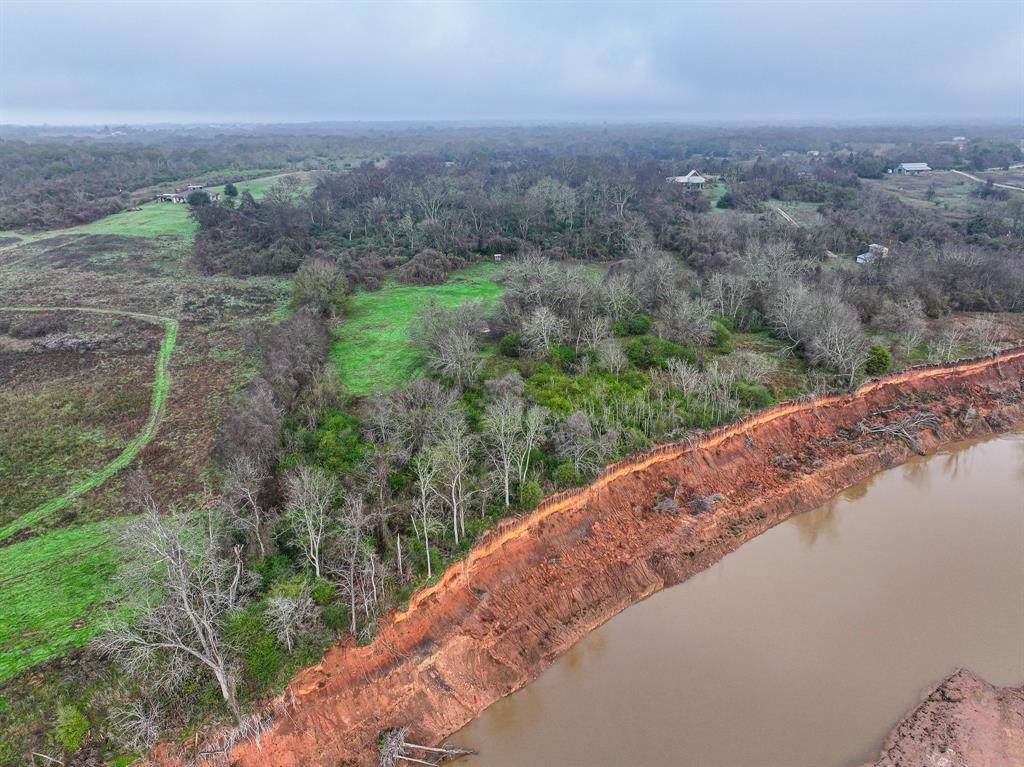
805	646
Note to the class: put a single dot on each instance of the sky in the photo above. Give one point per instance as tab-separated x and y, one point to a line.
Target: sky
213	62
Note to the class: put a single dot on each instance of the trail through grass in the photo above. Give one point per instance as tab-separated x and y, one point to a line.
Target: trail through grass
372	348
158	402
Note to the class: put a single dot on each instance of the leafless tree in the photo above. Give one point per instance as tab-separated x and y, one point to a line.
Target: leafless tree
181	580
838	340
543	329
136	725
455	462
448	339
310	498
576	441
290	616
685	320
244	478
426	466
729	293
503	429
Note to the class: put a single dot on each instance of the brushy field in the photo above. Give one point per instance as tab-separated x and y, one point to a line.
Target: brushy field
950	192
53	586
372	349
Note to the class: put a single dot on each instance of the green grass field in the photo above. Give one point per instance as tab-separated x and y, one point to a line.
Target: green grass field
372	349
52	586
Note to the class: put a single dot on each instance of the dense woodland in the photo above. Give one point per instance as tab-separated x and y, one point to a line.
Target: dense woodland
624	297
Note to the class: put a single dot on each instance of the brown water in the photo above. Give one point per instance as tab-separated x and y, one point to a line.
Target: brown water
804	647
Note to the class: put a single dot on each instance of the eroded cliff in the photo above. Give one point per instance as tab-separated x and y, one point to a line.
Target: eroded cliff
537	584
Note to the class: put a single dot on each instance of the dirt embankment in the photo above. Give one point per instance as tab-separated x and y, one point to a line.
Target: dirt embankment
962	722
537	584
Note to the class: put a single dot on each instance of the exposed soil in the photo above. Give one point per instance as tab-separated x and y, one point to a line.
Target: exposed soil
535	585
962	722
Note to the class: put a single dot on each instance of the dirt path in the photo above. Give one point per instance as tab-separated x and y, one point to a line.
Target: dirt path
972	177
157	404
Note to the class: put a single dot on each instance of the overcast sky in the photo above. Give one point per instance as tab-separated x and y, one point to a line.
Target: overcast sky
93	62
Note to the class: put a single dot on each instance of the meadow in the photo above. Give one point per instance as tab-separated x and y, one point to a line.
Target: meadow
372	348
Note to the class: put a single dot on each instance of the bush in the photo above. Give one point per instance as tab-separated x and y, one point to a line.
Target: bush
198	198
272	569
565	475
654	352
530	494
509	345
722	337
752	395
879	361
71	728
323	592
258	647
335	617
636	325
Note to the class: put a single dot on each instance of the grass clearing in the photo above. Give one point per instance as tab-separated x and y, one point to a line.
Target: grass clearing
53	586
372	349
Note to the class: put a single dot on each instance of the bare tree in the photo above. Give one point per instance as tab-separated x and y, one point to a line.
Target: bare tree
290	616
244	478
426	466
448	339
543	329
576	441
455	461
349	550
180	582
503	427
310	497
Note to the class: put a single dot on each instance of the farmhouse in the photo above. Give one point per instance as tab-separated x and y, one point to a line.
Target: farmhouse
182	197
692	180
912	168
874	251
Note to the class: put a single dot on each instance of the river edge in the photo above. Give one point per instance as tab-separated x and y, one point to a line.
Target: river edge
537	584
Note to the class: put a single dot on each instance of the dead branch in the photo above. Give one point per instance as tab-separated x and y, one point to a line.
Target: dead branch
906	429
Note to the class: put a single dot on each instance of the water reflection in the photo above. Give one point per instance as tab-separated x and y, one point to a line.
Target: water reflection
803	647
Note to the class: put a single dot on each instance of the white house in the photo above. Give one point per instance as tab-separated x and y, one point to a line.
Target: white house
912	168
693	180
874	251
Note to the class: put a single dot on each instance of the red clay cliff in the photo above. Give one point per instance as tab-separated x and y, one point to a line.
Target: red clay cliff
537	584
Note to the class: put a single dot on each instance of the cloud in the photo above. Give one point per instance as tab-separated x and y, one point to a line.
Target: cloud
294	61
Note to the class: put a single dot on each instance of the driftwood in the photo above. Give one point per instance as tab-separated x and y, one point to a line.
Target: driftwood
905	429
394	750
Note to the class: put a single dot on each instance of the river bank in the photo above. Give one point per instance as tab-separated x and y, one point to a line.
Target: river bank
535	585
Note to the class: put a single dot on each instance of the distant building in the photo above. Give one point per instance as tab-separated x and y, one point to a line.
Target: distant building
912	168
874	251
497	258
692	180
959	139
181	197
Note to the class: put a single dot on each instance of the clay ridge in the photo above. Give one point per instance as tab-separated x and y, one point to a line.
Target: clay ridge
492	623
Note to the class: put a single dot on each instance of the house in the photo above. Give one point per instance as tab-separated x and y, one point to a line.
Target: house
959	139
692	180
874	251
182	197
193	187
497	258
912	168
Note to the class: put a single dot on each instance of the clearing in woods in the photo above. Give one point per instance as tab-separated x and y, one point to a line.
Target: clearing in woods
372	349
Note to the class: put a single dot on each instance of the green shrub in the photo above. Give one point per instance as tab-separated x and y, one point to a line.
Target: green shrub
323	592
722	338
530	494
273	568
335	617
562	356
636	325
288	587
261	657
565	475
509	345
653	352
752	395
71	728
879	361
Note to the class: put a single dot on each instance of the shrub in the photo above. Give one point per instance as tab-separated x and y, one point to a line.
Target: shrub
261	656
722	337
636	325
530	494
565	475
323	592
654	352
198	198
509	345
878	362
274	568
335	617
752	395
71	728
